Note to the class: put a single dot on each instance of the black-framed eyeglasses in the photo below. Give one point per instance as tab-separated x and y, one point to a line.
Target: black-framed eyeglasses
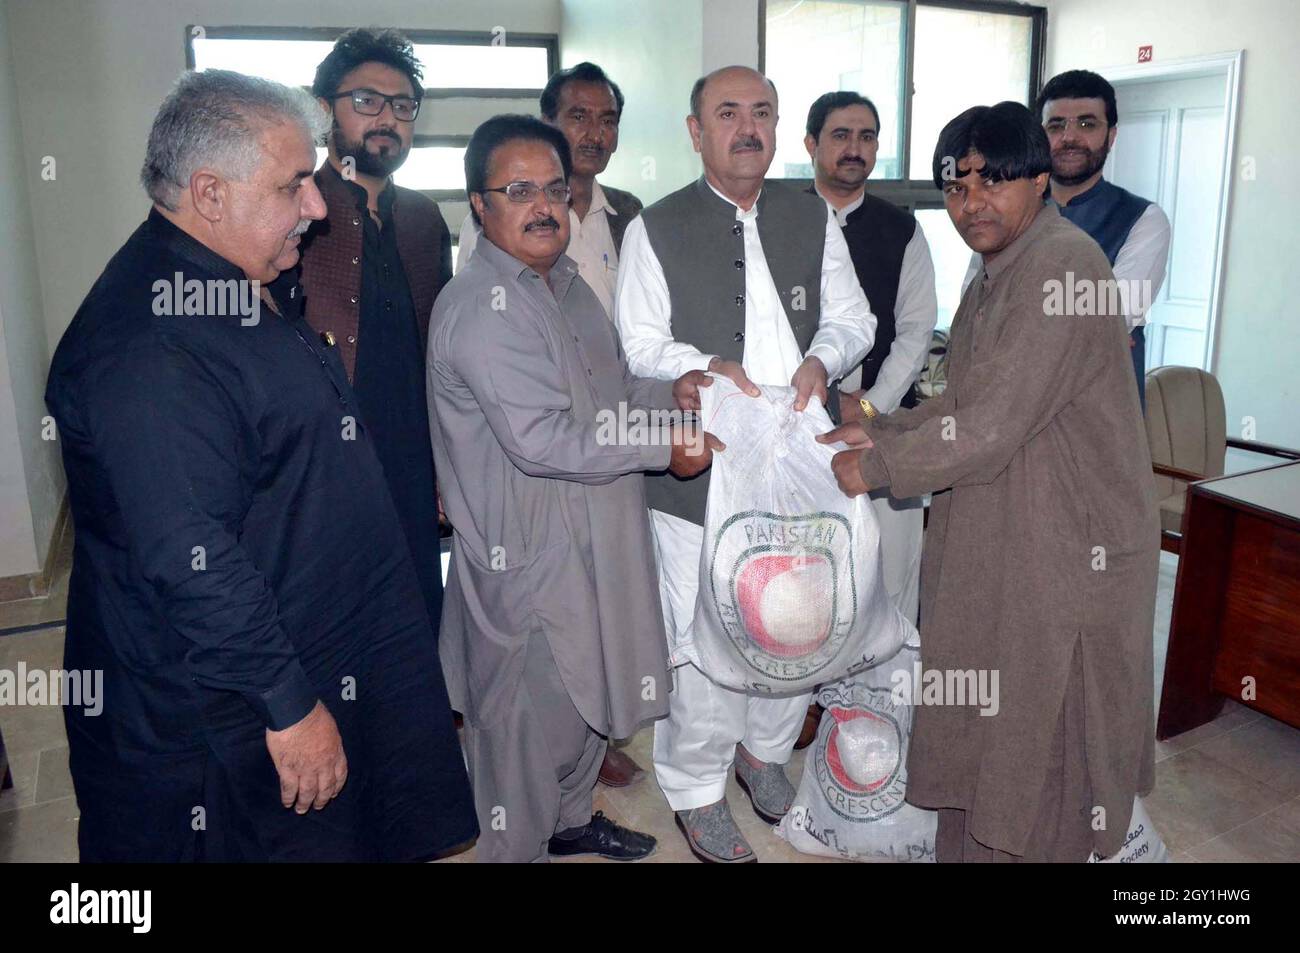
522	192
368	102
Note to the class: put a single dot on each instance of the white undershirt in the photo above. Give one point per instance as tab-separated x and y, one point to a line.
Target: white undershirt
916	310
643	311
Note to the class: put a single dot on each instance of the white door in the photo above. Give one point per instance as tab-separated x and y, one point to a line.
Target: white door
1170	150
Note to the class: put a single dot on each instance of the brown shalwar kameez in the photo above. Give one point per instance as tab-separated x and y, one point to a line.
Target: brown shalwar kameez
1040	561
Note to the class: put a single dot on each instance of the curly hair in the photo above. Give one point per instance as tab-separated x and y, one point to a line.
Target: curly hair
366	45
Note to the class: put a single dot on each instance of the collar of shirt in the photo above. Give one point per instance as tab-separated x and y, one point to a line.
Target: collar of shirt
284	289
562	272
1008	255
599	202
741	214
842	214
1093	192
180	242
287	293
362	197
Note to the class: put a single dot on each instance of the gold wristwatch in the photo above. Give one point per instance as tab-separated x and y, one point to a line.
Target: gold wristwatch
868	411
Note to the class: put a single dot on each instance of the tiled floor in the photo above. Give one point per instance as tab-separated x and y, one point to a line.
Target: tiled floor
1227	791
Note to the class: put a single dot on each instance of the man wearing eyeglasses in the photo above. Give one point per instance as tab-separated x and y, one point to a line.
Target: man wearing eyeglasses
1078	112
373	267
587	106
554	634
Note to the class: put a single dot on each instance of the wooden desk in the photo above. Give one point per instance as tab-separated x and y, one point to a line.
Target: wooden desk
1236	601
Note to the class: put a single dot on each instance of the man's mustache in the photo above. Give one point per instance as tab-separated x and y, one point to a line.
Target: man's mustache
386	133
747	142
547	222
300	228
852	162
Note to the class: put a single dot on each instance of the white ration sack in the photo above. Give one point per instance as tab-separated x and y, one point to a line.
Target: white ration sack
850	800
1143	845
791	593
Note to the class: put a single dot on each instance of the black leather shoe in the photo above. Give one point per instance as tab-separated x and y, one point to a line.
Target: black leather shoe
607	839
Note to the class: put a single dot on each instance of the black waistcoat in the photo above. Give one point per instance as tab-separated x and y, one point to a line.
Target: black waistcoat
877	233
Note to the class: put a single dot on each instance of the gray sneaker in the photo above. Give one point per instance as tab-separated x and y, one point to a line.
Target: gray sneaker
769	790
713	836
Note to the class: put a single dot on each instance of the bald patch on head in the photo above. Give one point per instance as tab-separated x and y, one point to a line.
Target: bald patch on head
697	93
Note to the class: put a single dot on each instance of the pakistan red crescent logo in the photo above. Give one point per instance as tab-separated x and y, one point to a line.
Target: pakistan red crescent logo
862	749
785	602
859	753
785	590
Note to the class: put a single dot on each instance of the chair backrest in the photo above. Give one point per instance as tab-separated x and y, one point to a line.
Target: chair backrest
1186	423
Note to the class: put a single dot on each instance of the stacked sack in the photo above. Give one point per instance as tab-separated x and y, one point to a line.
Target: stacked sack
1142	845
850	803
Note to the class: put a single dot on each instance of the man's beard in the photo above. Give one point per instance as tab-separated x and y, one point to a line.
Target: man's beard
1095	161
367	163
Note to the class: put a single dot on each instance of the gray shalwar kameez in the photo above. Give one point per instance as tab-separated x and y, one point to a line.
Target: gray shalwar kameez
552	635
1040	561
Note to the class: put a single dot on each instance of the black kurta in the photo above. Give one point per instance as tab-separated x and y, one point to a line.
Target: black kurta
389	382
237	557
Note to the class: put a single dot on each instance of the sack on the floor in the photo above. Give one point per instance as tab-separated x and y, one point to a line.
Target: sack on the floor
791	589
1143	845
850	800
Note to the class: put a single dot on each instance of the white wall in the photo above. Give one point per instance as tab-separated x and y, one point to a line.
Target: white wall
653	52
17	538
91	74
1258	344
656	51
730	34
31	478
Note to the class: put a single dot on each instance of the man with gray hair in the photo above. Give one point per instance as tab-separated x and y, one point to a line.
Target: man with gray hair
239	574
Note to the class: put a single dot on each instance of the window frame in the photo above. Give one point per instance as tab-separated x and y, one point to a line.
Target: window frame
912	194
547	41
